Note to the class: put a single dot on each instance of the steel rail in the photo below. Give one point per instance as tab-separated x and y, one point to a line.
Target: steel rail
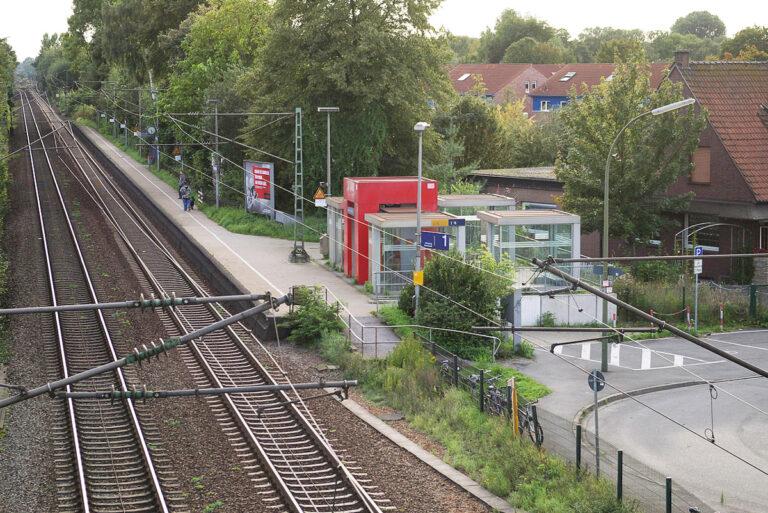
81	484
135	422
183	323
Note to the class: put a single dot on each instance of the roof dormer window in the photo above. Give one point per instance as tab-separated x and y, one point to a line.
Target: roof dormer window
464	77
567	76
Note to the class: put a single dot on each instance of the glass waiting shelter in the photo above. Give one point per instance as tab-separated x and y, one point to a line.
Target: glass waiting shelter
467	206
522	235
392	245
335	220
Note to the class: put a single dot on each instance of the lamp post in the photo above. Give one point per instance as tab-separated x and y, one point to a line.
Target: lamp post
655	112
419	127
328	111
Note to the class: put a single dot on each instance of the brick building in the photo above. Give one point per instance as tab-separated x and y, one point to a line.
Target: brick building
502	82
730	176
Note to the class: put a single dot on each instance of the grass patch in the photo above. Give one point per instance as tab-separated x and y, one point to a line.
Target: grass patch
393	316
237	220
213	506
484	447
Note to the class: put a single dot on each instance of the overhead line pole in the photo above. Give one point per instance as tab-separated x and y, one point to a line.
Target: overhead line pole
547	265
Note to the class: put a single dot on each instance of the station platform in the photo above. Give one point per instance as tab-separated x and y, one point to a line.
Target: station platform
256	263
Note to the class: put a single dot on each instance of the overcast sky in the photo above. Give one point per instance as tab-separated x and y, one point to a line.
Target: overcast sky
24	22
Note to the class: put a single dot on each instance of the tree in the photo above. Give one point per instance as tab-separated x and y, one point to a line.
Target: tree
663	45
511	27
478	130
528	49
524	142
459	296
464	48
443	168
620	50
750	36
380	62
701	24
591	39
651	154
751	53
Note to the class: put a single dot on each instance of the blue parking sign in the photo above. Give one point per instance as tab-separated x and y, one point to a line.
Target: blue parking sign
698	250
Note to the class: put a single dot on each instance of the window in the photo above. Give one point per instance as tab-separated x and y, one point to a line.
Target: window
488	98
701	159
567	76
527	86
544	106
764	237
563	103
533	85
464	77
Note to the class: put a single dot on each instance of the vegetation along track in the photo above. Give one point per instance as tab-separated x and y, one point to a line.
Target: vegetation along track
285	450
105	462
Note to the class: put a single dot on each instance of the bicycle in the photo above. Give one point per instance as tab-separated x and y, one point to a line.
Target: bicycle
529	422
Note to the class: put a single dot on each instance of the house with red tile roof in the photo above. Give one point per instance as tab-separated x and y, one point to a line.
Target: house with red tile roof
501	83
730	175
557	89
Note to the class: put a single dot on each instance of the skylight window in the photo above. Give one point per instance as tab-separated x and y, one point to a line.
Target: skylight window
464	76
567	76
609	78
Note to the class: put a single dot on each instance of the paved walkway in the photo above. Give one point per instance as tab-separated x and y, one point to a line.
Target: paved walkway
256	263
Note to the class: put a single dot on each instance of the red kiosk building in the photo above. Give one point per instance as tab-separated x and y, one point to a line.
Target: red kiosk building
368	195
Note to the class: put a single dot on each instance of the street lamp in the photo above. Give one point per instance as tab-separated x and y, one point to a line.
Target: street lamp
328	111
654	112
419	127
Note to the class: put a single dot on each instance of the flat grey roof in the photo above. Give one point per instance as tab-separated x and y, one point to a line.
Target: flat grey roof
545	173
518	217
474	200
406	220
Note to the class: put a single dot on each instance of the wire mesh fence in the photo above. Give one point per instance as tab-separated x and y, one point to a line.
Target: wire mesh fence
639	482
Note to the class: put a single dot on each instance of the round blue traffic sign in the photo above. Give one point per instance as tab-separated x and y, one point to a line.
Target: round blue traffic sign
596	380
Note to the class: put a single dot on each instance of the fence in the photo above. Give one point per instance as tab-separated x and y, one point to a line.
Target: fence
634	480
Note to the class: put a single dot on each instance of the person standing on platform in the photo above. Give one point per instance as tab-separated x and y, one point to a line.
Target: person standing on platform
182	182
186	194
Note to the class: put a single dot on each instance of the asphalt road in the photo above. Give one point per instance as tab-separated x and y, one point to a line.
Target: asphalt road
721	480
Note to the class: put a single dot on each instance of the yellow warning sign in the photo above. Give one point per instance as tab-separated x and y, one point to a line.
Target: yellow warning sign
319	193
439	222
418	277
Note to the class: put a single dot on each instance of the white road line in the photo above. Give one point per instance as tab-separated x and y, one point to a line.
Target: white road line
615	352
586	348
678	360
645	362
558	349
173	200
737	344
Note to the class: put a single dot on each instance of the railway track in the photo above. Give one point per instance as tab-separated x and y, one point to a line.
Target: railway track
103	459
286	452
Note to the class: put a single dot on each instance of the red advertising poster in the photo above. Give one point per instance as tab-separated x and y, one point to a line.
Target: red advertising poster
262	173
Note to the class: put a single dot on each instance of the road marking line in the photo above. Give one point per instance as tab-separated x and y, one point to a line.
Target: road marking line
586	347
615	348
558	349
678	360
737	344
645	359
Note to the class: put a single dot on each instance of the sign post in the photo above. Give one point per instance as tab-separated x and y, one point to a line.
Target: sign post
596	382
260	187
697	266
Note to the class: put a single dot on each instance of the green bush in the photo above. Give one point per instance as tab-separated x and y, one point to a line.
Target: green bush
546	319
459	296
237	220
394	316
656	270
311	317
